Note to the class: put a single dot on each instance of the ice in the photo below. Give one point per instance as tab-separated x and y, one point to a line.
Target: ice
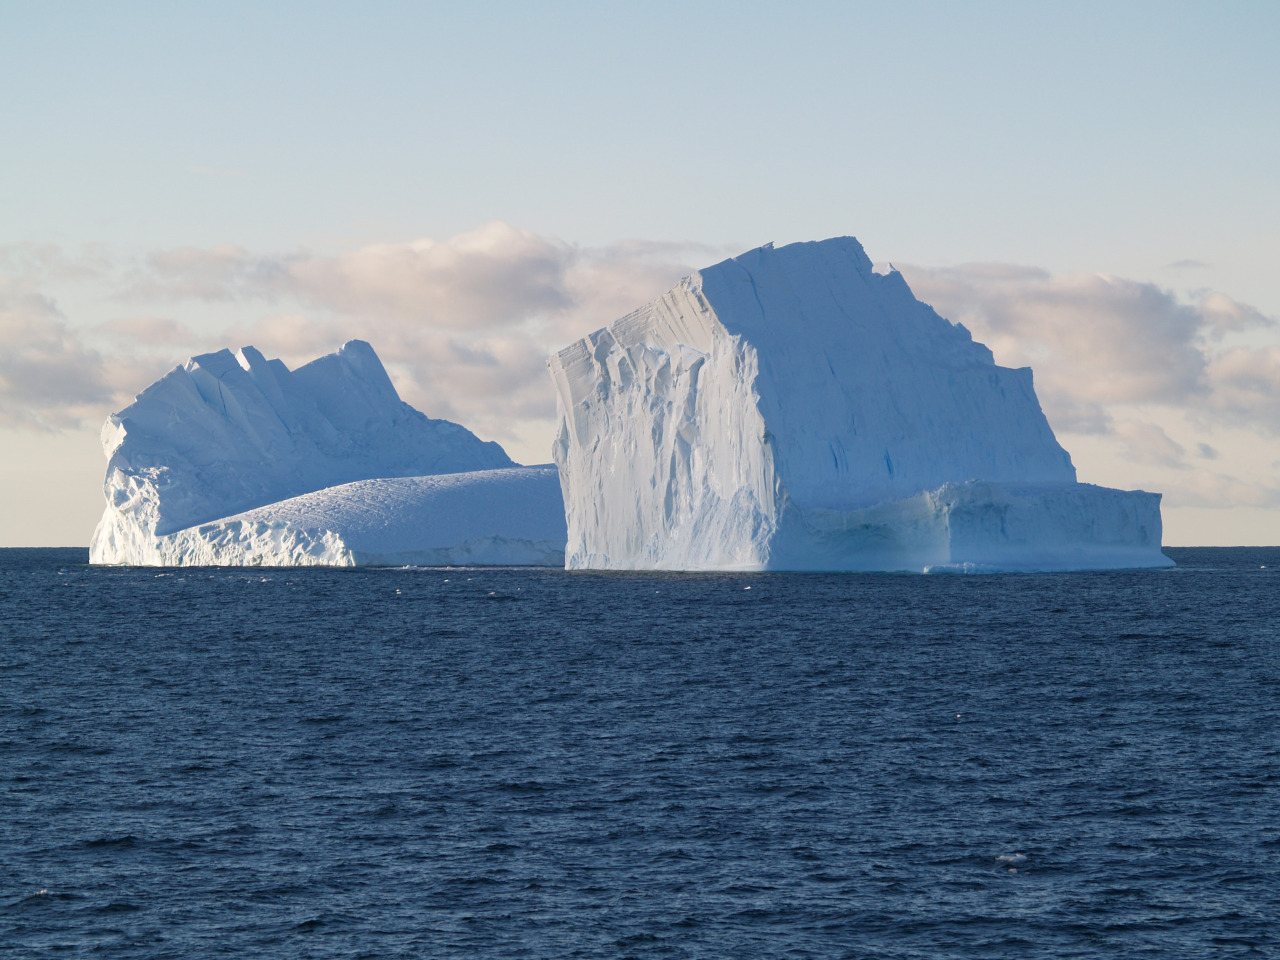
792	409
213	462
509	517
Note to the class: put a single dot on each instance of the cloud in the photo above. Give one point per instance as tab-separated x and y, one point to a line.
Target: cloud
1246	388
1148	443
44	263
153	331
464	325
1075	415
1201	489
1090	337
220	273
1222	315
57	375
48	378
608	282
494	277
1098	343
294	336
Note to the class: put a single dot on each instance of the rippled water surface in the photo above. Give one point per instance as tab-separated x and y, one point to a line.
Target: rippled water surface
516	763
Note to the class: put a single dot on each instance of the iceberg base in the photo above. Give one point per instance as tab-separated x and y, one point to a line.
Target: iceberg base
974	527
979	527
504	517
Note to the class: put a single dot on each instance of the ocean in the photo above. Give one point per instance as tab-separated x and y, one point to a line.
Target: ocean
527	763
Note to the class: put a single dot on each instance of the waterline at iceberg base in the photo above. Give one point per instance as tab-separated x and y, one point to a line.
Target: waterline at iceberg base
791	409
978	527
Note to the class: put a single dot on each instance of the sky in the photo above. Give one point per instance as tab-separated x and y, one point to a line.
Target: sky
1091	188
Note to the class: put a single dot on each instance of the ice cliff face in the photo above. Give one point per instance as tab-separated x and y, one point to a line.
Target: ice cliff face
792	409
225	433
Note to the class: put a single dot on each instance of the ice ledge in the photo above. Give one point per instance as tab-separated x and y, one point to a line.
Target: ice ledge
980	526
504	517
970	527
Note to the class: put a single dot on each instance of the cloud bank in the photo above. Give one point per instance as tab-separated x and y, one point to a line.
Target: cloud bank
48	378
1100	344
465	325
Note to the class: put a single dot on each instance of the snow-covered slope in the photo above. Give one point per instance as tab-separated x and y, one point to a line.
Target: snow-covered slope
225	433
513	516
792	409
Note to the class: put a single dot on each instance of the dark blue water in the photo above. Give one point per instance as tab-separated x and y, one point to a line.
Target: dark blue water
506	763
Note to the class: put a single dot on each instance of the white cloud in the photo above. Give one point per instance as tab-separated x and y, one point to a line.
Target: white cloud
1246	388
222	272
1089	337
1217	490
43	263
1148	443
1222	315
152	331
1100	343
55	374
464	325
48	378
494	276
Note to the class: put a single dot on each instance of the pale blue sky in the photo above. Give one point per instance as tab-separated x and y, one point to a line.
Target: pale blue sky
1095	136
1075	138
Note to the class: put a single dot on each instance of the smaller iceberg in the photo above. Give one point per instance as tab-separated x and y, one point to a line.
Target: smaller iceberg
234	459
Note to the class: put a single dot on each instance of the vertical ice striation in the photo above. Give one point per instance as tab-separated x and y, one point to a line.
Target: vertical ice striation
792	409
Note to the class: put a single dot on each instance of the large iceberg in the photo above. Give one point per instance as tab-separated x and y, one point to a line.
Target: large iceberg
235	459
792	409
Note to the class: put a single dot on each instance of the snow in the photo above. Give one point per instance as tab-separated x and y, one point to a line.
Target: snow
513	516
792	409
230	432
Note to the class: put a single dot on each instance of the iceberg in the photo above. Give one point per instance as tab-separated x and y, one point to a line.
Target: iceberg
793	409
234	459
